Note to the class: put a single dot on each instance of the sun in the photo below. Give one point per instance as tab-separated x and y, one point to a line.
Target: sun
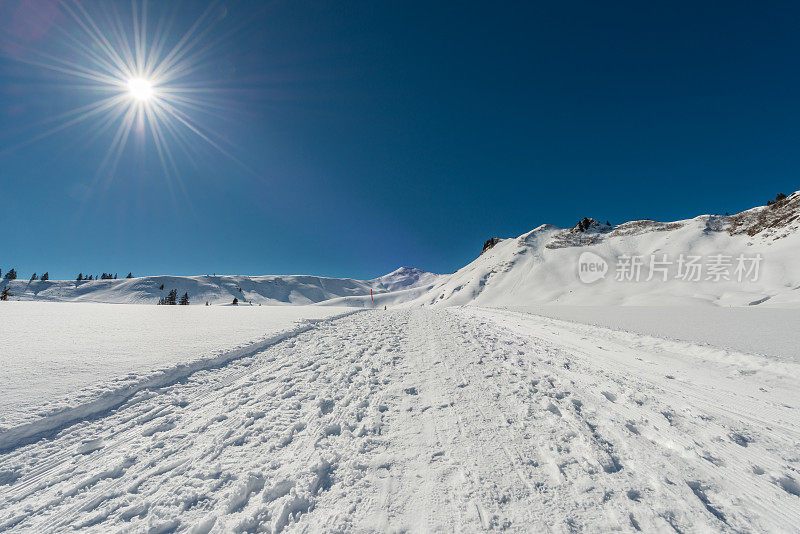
143	84
140	89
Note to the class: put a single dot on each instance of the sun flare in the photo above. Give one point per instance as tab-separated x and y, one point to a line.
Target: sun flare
140	89
145	77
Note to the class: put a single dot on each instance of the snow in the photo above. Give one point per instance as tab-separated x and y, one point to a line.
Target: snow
273	290
509	395
527	271
424	419
541	266
756	330
60	361
536	268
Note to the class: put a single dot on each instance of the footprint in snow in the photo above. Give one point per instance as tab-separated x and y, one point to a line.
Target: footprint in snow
90	445
552	408
739	439
789	485
326	406
9	476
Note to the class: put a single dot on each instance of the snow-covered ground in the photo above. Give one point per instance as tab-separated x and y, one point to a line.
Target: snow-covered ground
768	331
422	420
61	361
661	404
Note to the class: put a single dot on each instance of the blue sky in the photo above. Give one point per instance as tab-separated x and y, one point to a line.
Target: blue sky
357	137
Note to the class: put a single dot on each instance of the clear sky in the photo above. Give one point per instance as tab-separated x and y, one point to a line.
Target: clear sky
350	138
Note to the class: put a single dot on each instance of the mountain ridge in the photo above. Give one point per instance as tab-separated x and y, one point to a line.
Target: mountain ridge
539	266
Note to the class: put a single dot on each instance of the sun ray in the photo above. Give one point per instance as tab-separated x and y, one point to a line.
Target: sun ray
187	122
89	26
181	48
83	114
139	35
146	79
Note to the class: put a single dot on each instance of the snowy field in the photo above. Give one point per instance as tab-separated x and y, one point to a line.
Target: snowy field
59	361
769	331
432	420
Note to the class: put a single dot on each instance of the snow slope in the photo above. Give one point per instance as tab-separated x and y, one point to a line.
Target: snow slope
63	361
750	329
433	420
538	267
541	266
222	289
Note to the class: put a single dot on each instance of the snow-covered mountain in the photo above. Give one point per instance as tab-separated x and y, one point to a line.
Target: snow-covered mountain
222	289
750	258
760	246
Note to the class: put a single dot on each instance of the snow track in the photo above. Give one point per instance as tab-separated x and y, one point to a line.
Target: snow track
431	421
92	404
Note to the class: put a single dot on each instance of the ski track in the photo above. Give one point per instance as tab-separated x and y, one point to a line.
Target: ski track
456	420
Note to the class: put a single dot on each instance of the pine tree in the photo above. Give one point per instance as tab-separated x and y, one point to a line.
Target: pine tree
130	275
185	299
235	301
172	297
778	198
5	294
33	277
162	301
80	277
11	275
115	276
90	277
45	277
161	287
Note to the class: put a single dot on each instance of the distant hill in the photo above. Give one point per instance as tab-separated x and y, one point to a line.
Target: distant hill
541	266
222	289
538	267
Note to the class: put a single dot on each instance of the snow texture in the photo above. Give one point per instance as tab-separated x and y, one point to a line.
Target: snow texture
751	329
62	361
423	420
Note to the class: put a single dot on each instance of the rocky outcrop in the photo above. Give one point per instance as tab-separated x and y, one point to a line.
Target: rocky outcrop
489	243
777	219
